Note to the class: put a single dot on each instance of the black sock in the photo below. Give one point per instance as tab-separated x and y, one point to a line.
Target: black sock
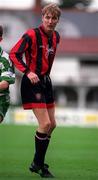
47	143
41	144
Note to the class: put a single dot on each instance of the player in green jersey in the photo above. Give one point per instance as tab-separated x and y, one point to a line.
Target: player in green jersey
7	77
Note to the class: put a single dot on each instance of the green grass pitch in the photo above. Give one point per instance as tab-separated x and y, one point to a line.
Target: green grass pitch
72	154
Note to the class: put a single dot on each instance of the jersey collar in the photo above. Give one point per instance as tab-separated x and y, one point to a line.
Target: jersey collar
43	30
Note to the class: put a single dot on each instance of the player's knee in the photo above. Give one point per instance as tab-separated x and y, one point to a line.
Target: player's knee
53	125
47	126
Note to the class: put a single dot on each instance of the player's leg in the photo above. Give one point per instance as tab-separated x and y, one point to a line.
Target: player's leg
51	112
49	99
45	117
41	143
52	127
41	135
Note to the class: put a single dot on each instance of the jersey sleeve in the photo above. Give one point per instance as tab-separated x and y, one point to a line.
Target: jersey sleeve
7	69
16	53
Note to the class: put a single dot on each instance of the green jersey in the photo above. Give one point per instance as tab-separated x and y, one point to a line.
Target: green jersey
6	71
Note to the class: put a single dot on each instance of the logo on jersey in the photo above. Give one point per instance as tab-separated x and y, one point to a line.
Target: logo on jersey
48	51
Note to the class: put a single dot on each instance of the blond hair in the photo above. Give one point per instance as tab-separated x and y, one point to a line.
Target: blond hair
53	9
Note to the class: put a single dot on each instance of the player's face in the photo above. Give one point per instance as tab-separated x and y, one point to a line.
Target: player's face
49	22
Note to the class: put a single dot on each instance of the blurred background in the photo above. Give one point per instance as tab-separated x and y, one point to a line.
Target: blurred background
75	70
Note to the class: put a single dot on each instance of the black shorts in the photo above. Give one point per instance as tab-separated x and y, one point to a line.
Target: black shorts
39	95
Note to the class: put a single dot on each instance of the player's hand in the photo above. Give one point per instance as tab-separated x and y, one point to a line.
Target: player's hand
33	77
4	85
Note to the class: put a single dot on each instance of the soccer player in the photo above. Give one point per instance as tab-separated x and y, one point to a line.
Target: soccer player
39	46
7	77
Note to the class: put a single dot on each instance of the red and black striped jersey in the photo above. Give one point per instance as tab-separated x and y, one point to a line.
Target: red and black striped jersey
39	50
